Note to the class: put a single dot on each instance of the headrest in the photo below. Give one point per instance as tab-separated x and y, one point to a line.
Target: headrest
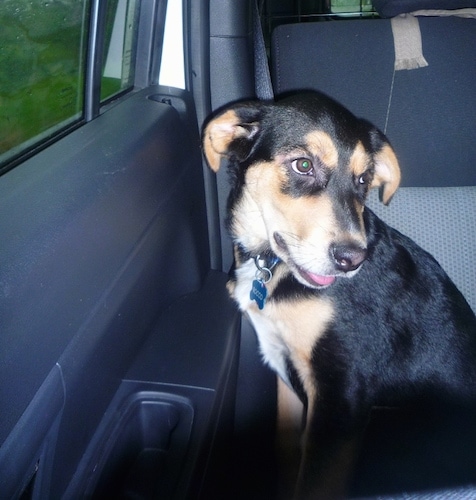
391	8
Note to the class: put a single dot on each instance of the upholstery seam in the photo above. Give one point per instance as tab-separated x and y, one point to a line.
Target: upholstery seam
389	102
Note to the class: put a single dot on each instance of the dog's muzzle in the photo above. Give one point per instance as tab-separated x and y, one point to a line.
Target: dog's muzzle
344	258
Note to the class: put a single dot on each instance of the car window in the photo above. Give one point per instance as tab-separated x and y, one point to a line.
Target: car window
42	62
172	73
277	13
119	47
350	6
44	52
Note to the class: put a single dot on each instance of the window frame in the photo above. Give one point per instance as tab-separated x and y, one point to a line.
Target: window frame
149	44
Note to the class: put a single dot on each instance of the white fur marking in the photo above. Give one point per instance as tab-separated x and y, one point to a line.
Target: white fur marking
273	348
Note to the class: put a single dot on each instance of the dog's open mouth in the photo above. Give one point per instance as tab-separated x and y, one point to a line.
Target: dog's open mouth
316	279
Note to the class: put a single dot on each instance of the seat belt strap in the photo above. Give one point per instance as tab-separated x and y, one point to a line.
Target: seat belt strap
263	85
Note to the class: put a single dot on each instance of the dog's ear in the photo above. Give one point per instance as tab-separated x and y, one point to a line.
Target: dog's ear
231	133
387	170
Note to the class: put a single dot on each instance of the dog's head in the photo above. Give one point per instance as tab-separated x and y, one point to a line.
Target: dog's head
301	170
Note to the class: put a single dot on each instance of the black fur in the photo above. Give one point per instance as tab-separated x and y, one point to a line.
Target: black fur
402	328
403	337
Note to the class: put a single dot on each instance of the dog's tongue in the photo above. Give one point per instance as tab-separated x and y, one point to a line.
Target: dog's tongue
320	280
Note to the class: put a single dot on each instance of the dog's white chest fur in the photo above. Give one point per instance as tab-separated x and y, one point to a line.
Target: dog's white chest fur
287	329
272	344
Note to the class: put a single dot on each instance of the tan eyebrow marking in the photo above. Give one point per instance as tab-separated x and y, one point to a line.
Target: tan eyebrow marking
320	144
359	160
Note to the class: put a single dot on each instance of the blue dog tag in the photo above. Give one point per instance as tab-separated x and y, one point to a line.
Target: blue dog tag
258	293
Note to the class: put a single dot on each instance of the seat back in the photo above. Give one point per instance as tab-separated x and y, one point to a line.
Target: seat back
441	220
428	114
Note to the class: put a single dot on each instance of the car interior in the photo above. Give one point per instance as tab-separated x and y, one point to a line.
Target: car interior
126	371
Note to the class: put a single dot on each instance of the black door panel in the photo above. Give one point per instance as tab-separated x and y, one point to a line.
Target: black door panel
188	364
101	232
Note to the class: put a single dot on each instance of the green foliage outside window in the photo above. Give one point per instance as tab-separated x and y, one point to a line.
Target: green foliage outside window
42	58
43	51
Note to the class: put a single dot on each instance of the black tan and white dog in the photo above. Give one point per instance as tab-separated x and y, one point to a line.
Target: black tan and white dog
350	313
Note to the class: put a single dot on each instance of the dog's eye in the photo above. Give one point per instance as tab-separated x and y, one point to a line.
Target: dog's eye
365	178
302	166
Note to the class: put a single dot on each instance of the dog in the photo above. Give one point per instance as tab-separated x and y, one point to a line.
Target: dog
349	313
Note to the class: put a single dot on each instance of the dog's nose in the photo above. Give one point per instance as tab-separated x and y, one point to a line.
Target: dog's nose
348	257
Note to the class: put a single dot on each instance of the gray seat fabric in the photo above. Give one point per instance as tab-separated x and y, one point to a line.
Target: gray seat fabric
443	222
429	114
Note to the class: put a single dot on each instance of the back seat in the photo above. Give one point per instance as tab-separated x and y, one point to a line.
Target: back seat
428	113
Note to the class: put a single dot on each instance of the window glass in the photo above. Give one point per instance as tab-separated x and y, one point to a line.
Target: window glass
119	47
172	72
42	60
343	6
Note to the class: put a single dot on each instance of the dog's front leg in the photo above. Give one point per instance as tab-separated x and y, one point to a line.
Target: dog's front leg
290	420
329	452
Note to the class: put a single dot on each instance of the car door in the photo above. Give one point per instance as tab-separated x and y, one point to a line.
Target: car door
118	343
